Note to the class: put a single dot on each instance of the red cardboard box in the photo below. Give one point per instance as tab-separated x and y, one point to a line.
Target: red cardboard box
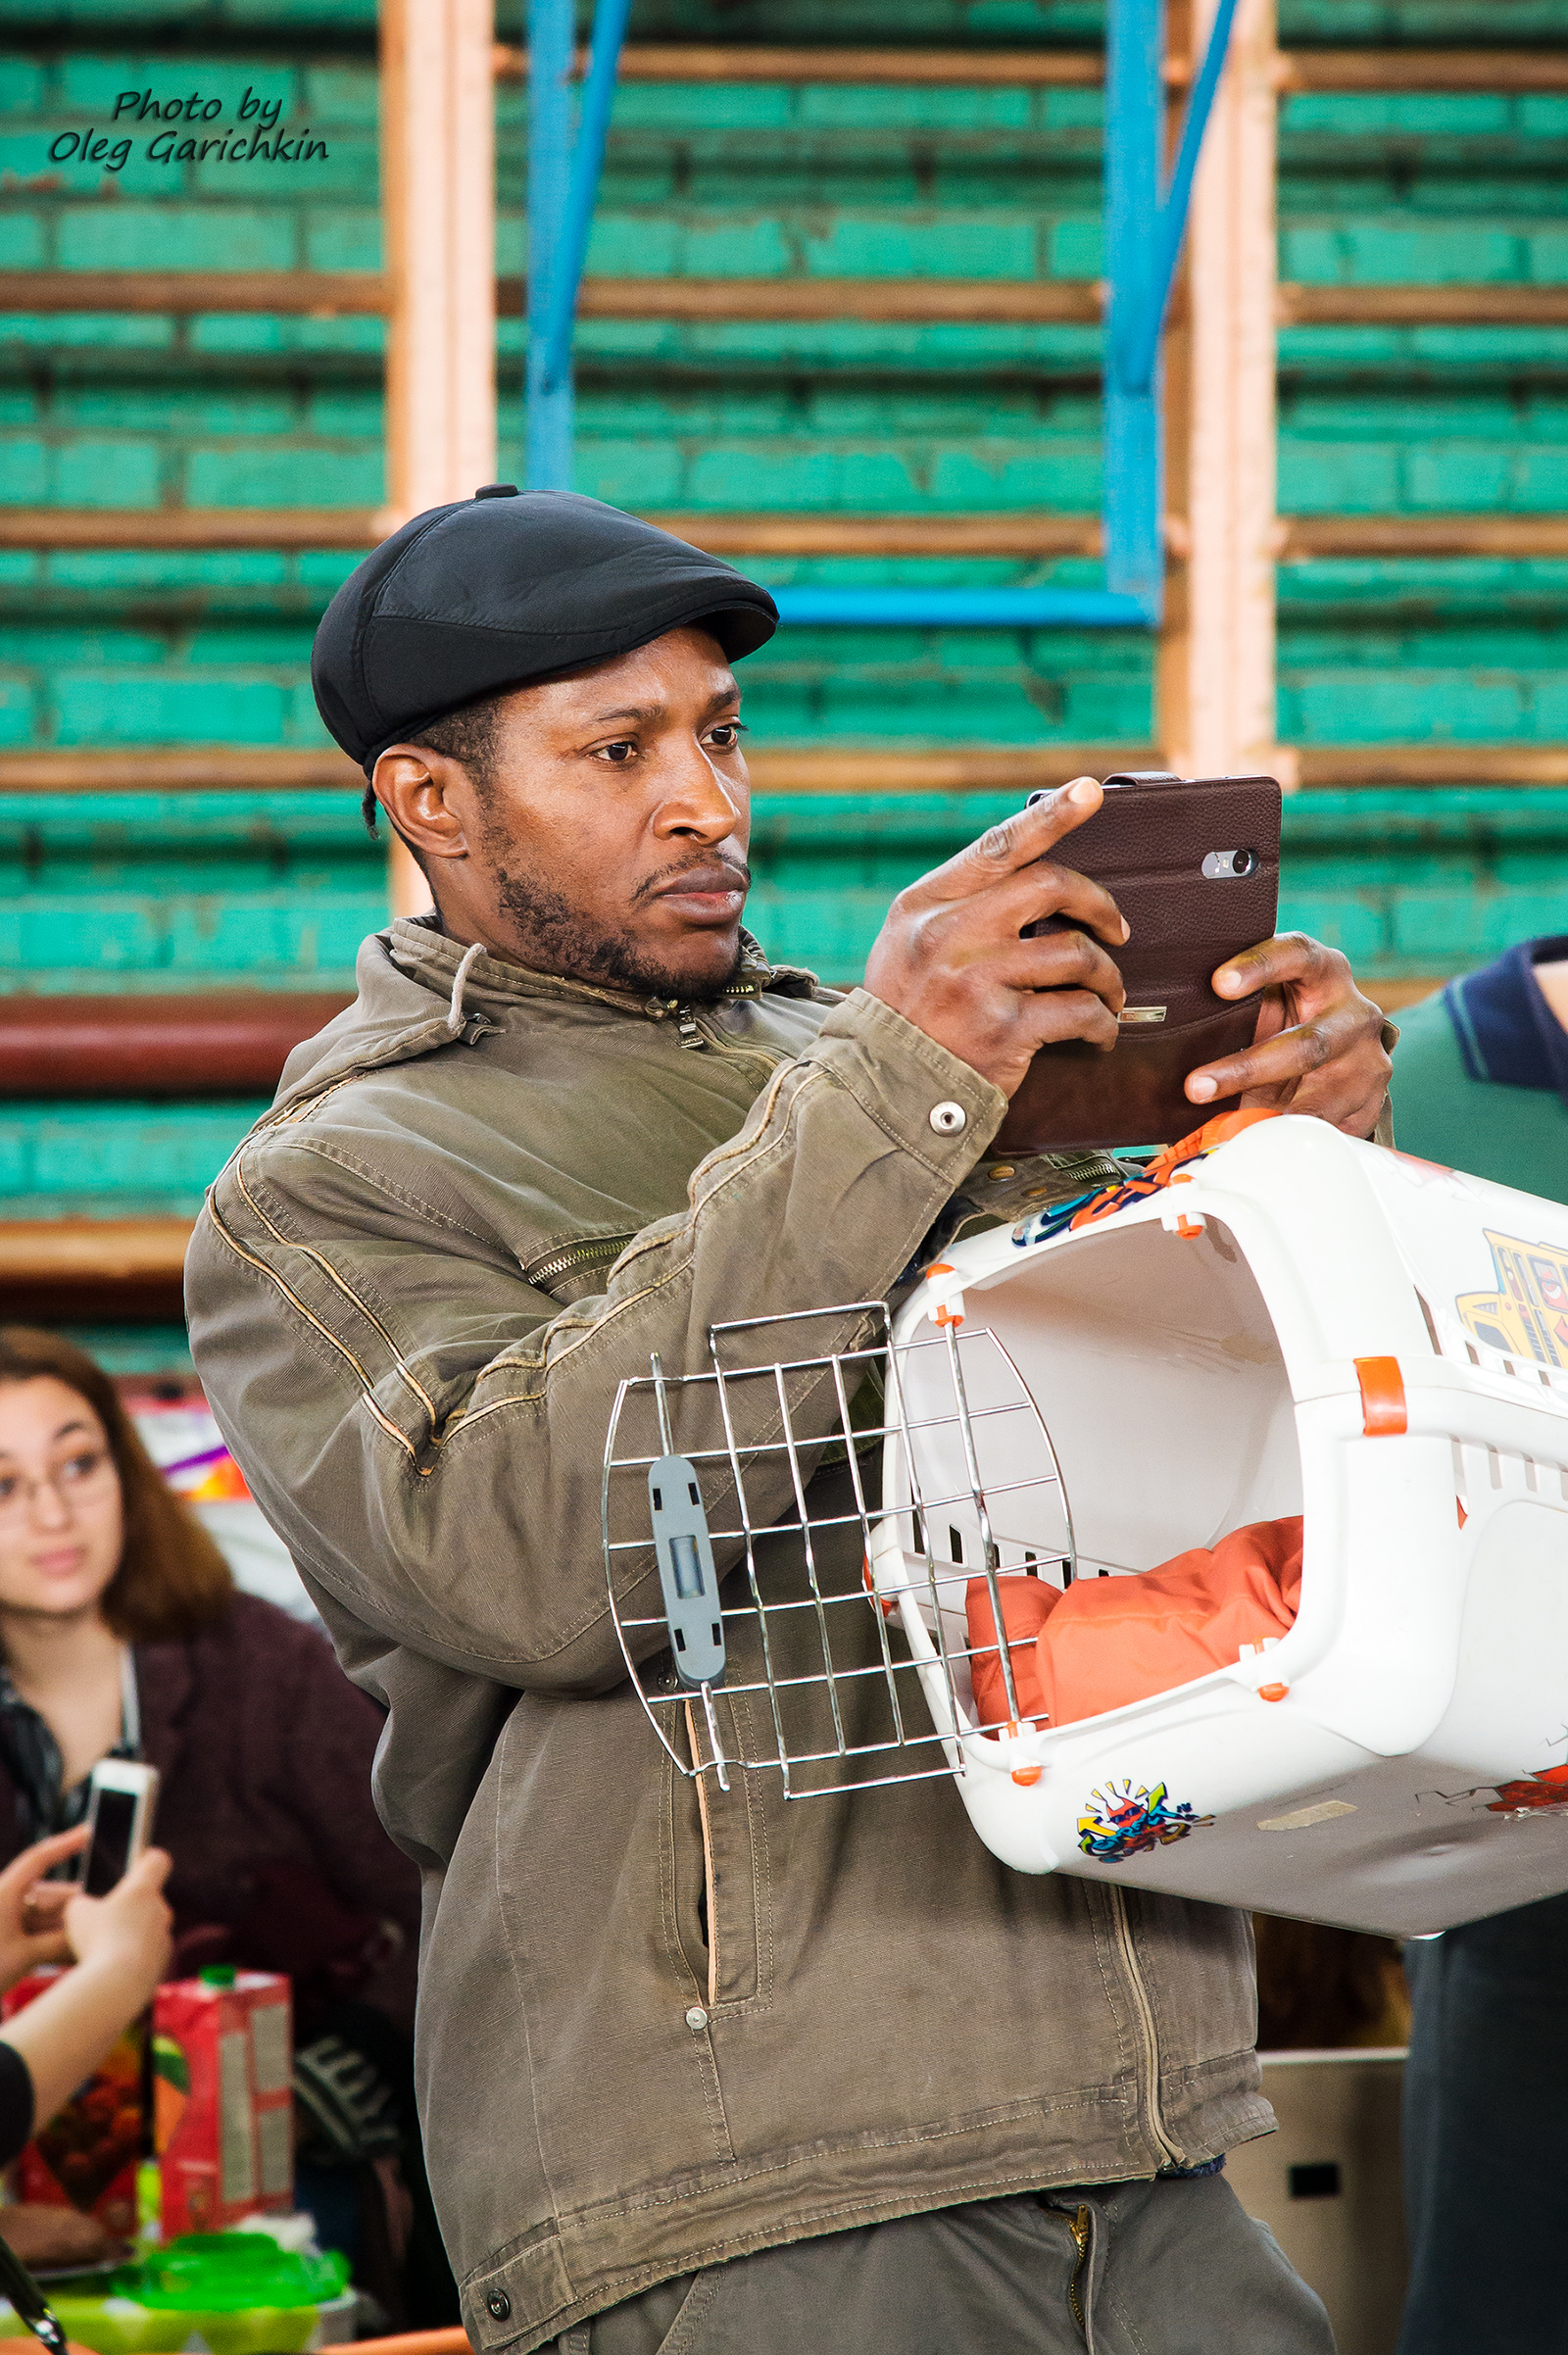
85	2157
224	2112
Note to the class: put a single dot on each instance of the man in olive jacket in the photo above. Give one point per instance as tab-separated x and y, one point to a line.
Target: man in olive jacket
755	2075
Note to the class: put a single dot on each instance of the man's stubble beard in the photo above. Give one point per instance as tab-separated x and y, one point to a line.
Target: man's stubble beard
557	939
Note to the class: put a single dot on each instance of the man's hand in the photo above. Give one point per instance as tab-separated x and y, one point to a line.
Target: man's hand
1318	1043
949	957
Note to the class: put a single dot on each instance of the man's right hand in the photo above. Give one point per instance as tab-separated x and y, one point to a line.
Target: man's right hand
949	957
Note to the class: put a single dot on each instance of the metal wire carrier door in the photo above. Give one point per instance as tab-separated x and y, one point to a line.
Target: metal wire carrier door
790	1537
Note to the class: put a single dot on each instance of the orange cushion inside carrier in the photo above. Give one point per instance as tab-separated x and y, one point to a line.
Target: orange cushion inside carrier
1110	1640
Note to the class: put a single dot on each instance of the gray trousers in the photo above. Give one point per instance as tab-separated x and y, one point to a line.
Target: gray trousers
1164	2267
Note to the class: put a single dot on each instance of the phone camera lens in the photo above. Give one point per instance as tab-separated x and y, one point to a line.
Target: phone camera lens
1244	863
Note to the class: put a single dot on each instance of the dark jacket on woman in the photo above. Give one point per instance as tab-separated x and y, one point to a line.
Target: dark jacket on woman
279	1862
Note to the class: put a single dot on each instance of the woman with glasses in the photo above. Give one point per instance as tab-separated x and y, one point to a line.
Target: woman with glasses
121	1635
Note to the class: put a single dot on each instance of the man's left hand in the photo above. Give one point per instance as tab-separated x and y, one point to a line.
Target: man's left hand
1318	1043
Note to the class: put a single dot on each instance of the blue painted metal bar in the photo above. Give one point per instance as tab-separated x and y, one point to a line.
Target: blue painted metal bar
1143	240
1133	494
961	609
547	407
1136	362
587	163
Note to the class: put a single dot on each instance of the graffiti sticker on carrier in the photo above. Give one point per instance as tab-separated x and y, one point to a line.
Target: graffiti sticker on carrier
1527	1316
1121	1822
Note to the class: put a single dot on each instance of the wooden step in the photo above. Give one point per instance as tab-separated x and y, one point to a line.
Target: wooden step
221	769
93	1270
1014	534
1485	306
328	294
1350	69
991	302
961	769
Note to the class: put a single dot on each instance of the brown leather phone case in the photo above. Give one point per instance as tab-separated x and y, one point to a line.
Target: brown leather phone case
1194	864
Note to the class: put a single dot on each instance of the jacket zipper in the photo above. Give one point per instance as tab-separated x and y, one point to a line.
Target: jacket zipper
544	1273
1146	2025
1081	2227
692	1032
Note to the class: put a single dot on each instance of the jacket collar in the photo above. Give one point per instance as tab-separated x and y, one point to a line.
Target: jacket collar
420	991
1506	1031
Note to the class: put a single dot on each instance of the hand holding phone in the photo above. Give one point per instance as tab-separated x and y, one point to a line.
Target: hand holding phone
1193	865
954	956
128	1933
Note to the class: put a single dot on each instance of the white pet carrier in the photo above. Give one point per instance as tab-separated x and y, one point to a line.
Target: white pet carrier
1298	1324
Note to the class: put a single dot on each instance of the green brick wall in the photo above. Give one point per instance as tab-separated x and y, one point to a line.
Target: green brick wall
147	892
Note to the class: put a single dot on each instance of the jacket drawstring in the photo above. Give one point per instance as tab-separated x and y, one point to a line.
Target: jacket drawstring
464	968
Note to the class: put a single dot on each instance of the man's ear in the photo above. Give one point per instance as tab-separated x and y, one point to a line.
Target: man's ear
416	788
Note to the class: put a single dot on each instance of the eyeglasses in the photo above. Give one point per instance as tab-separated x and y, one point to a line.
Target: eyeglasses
79	1482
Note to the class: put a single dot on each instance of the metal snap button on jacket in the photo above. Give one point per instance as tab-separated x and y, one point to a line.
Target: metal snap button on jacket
949	1119
498	2304
696	2017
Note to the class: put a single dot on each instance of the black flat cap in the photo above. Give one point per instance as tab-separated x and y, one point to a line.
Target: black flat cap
505	588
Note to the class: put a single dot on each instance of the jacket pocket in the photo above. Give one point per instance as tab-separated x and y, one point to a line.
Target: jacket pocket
737	1879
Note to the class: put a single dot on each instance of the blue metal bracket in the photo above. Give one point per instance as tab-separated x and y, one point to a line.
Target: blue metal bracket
961	609
1142	243
1142	237
562	185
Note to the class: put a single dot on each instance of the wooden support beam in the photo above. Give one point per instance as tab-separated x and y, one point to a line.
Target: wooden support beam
438	212
1344	766
192	527
68	1251
1398	70
1394	69
1305	537
698	62
960	768
1423	306
1216	677
315	294
93	1270
978	301
323	294
181	768
1024	535
438	208
1014	534
981	301
219	769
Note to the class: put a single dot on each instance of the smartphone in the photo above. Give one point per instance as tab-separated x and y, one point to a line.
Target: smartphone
119	1820
1194	864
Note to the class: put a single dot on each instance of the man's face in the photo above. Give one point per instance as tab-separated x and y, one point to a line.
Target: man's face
607	841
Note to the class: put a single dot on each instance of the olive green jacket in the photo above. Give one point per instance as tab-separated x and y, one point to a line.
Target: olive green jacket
653	2034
